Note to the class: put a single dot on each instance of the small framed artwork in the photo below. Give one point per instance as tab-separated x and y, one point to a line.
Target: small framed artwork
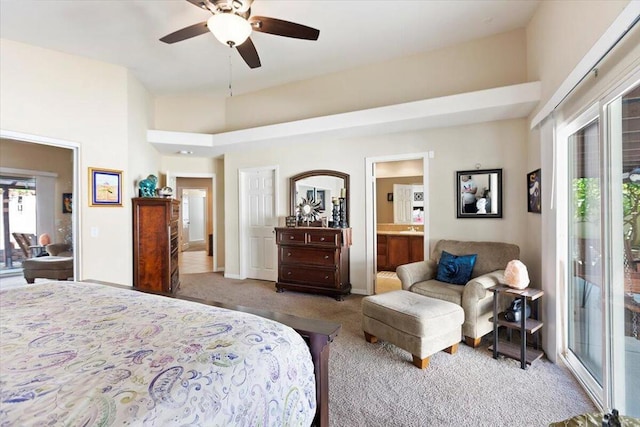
320	199
291	221
534	198
105	187
311	195
67	202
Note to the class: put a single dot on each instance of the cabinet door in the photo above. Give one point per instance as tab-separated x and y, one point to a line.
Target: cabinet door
381	252
397	251
416	248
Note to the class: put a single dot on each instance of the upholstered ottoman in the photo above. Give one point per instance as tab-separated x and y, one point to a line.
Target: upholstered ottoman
48	267
416	323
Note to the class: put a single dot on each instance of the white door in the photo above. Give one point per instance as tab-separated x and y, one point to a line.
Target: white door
259	221
197	215
184	236
402	204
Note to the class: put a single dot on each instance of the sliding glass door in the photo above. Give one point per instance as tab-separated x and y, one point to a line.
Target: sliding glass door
585	284
602	308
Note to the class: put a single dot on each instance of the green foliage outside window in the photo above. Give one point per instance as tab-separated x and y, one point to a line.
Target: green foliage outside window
586	204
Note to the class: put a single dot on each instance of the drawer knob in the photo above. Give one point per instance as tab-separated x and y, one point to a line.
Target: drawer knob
288	253
290	237
326	257
288	273
326	277
322	239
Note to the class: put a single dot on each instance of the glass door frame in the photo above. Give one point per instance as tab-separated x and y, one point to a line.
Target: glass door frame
608	111
564	132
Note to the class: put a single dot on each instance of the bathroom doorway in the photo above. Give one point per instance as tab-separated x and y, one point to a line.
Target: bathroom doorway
397	216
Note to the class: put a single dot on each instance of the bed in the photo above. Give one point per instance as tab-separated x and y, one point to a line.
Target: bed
87	354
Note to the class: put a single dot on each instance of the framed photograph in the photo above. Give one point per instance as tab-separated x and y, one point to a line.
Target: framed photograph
534	185
105	187
320	199
67	202
291	221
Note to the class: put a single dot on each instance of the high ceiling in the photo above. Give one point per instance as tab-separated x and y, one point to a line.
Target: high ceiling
353	33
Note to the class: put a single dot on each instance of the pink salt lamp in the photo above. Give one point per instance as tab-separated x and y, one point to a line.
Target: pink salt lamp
516	275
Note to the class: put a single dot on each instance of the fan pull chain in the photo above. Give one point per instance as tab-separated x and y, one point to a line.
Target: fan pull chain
230	76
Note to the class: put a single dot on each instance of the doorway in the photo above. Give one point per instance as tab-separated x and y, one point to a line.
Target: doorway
395	184
44	171
194	219
203	249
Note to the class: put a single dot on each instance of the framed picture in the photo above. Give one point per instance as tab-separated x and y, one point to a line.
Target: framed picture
320	199
67	202
534	198
105	187
291	221
311	195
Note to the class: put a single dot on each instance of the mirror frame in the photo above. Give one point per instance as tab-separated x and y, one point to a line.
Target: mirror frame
497	200
317	172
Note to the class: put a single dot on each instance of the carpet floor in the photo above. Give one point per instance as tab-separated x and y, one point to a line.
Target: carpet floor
376	384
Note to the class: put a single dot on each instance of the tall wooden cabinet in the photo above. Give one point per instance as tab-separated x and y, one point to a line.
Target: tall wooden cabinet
155	244
314	259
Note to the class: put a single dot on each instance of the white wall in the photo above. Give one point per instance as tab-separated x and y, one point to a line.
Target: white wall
56	95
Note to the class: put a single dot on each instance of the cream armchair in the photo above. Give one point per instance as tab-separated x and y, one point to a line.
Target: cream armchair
475	300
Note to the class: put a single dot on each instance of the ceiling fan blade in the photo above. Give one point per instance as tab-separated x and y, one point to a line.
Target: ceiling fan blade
249	53
279	27
186	33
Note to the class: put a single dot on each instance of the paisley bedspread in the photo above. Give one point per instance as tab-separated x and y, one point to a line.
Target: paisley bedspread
82	354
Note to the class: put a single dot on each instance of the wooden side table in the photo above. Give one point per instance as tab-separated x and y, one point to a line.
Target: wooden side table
525	325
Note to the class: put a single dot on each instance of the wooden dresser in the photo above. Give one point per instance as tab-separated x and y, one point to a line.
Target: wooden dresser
314	259
155	244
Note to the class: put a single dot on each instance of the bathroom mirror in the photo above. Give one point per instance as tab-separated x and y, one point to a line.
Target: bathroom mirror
320	186
479	193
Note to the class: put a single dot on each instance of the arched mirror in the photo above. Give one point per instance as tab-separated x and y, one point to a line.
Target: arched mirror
321	188
479	193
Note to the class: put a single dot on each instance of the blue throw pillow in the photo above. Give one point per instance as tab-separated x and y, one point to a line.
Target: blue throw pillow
455	269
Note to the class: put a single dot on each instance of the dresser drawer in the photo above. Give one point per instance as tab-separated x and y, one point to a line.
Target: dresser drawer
307	255
312	276
292	237
175	210
324	238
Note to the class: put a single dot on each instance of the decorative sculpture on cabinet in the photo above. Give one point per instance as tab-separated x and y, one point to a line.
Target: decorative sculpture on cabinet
148	186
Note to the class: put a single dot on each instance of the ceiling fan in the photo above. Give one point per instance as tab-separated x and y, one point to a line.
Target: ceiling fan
232	25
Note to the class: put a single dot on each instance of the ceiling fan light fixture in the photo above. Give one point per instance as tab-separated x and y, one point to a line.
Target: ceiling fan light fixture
229	28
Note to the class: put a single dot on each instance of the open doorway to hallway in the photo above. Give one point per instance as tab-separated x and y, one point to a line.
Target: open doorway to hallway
197	232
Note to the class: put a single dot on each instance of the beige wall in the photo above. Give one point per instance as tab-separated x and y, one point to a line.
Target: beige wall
197	112
560	34
494	61
495	145
98	107
34	157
